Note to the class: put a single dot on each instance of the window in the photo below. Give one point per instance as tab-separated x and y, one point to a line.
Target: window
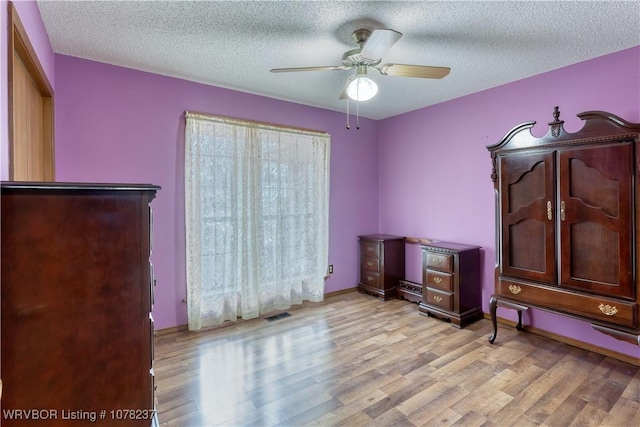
256	211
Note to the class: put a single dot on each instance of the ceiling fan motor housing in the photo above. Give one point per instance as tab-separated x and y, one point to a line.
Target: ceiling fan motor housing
353	58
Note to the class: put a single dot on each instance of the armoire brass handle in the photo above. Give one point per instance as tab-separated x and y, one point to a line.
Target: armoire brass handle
562	211
436	298
515	289
549	211
437	280
608	310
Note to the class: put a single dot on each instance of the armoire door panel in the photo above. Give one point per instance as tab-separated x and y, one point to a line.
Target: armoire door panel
528	216
596	217
525	181
595	256
527	250
593	188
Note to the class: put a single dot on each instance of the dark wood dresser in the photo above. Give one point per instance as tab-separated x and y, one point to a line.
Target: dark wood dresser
567	222
451	288
77	332
381	264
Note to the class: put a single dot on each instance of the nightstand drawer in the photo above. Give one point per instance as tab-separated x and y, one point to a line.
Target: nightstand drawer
441	281
371	249
371	264
436	298
439	262
370	278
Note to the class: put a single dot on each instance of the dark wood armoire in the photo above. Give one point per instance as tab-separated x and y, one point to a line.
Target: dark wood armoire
567	207
77	334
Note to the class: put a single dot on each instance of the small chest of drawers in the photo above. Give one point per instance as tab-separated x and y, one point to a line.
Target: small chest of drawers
381	264
451	282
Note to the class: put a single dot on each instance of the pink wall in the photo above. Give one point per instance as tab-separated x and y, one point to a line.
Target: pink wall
120	125
33	25
423	174
434	167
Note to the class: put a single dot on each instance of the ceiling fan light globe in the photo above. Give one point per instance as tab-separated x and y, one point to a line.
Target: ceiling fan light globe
362	89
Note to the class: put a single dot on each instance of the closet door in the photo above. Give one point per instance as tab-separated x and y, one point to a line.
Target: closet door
527	204
596	217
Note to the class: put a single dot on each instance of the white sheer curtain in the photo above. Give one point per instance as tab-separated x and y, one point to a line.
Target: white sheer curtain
257	217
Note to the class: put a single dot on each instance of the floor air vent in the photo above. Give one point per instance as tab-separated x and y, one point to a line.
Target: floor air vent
277	317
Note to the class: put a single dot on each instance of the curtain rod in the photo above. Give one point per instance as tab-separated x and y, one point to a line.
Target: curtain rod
252	123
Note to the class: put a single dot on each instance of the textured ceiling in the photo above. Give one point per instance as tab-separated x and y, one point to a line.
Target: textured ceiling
234	44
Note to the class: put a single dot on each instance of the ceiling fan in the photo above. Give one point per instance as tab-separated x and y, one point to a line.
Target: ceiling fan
373	45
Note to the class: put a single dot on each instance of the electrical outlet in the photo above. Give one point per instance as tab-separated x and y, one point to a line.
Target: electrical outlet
330	268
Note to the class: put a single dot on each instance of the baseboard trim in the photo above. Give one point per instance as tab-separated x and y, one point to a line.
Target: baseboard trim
171	330
570	341
341	292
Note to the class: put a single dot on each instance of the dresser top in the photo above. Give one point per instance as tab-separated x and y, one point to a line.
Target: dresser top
460	247
77	186
380	237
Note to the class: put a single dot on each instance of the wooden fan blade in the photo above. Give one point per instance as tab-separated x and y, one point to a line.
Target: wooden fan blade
324	68
422	71
379	42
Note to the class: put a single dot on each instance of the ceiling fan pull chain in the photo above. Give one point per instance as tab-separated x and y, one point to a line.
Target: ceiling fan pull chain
357	115
348	114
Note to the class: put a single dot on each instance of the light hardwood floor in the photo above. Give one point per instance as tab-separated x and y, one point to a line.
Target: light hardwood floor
354	360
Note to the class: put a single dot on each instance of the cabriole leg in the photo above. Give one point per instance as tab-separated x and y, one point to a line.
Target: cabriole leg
493	306
519	325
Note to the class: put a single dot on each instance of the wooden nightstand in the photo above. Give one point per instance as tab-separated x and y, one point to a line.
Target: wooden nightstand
451	288
381	264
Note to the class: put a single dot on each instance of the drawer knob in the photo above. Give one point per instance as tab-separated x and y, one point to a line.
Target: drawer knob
369	278
369	263
369	248
608	310
437	280
515	289
438	261
436	298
